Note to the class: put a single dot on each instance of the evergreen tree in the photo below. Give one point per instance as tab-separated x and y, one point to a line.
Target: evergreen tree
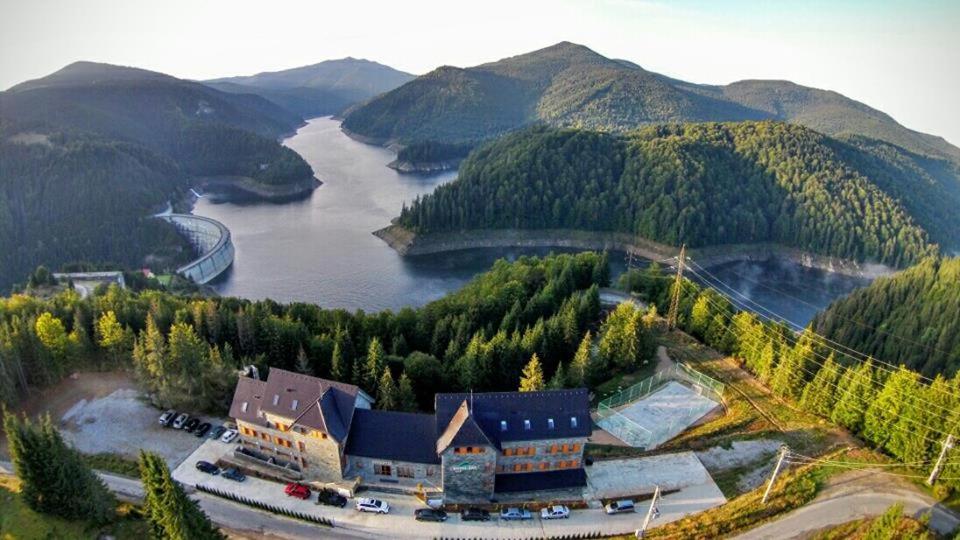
339	367
580	366
701	315
766	361
820	394
111	336
532	378
559	379
387	393
375	364
893	401
172	515
406	397
52	334
856	391
303	363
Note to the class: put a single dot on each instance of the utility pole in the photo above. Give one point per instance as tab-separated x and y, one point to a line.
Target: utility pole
652	513
776	471
677	286
938	468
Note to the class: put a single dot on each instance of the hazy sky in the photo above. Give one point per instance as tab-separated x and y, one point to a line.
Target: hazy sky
902	57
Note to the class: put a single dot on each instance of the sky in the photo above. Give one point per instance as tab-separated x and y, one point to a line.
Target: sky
899	56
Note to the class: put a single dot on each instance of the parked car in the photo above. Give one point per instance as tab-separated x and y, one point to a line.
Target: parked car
234	474
557	511
217	432
207	467
191	425
474	514
300	491
168	417
182	419
620	507
228	436
429	514
331	498
202	429
511	514
376	506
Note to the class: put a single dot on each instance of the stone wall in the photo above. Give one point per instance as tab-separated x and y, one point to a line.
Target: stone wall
542	459
468	478
427	474
320	459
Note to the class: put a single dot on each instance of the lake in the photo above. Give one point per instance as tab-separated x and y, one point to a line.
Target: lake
320	249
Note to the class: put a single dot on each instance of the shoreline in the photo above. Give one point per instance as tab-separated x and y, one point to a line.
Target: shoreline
407	243
404	167
248	187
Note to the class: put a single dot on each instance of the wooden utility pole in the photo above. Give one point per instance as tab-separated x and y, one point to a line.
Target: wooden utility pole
938	468
677	288
776	471
652	513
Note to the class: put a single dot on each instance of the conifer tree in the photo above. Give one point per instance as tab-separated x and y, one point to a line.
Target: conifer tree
559	379
171	513
406	397
375	364
786	376
856	391
303	363
700	315
339	368
581	362
820	394
387	393
893	401
766	361
532	378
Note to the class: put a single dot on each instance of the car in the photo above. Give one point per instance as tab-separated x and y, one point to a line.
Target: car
376	506
298	490
217	432
429	514
331	498
228	436
207	467
191	425
202	429
168	417
234	474
513	514
620	507
557	511
182	419
474	514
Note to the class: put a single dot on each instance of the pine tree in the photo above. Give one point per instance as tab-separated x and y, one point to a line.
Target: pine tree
532	378
387	393
339	367
893	401
559	379
856	391
172	515
374	366
765	362
581	362
303	363
820	394
786	377
700	315
406	397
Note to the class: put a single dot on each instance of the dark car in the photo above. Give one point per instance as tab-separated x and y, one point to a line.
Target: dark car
474	514
202	429
234	474
429	514
217	432
207	467
331	498
191	425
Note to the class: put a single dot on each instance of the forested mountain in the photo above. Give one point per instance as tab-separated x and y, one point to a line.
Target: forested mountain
570	85
909	318
319	89
704	184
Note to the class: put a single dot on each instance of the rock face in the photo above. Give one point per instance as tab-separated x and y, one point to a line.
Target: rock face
428	167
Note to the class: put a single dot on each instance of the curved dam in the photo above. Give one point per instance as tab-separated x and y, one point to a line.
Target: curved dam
211	239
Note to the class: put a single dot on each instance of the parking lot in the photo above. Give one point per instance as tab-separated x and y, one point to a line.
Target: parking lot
606	479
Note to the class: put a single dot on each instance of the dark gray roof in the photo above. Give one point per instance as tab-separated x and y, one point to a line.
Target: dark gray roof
489	409
393	435
462	430
540	481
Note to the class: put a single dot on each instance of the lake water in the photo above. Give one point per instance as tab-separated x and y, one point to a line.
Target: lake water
320	249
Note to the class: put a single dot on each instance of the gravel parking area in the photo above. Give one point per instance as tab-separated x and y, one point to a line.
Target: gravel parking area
123	423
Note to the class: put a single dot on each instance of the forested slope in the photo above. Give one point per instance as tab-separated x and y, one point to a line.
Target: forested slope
909	318
699	184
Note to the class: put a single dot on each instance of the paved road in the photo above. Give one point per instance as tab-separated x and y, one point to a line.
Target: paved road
851	496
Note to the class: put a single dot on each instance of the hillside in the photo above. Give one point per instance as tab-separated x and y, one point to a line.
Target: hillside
570	85
700	184
319	89
907	318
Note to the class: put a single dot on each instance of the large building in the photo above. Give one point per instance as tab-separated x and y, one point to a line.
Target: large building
472	447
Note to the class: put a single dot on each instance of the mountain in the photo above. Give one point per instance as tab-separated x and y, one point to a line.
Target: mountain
904	318
319	89
705	184
570	85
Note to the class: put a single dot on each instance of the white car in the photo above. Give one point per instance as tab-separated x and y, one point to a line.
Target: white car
555	512
376	506
228	436
181	421
167	418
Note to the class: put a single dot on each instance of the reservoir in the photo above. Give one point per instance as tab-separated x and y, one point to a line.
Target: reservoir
320	249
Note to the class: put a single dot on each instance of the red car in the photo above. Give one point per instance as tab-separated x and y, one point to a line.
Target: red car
299	491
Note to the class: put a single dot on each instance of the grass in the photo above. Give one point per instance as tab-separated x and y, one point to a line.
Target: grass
113	463
905	527
624	380
18	522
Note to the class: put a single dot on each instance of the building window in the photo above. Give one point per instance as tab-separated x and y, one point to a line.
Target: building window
381	469
544	465
503	425
276	399
516	467
554	448
575	448
508	452
302	447
429	472
293	406
573	421
526	424
574	464
404	472
282	427
550	423
243	407
566	448
468	450
264	436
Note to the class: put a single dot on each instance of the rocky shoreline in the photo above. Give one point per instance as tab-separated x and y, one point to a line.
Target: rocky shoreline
248	187
409	243
424	167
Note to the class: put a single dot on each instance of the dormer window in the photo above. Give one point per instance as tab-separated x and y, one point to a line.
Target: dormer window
550	423
573	421
526	424
293	406
276	399
503	425
243	407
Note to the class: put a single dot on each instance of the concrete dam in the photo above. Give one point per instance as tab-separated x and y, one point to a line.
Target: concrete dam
211	239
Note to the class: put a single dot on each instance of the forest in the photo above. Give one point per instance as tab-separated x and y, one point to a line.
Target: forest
897	410
909	318
530	323
699	184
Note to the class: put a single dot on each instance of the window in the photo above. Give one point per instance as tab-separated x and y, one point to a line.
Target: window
508	451
576	448
429	472
293	406
283	427
405	472
381	469
526	424
468	450
554	448
550	423
543	465
243	406
566	448
573	421
300	446
264	436
503	425
516	467
574	464
318	434
276	399
528	467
